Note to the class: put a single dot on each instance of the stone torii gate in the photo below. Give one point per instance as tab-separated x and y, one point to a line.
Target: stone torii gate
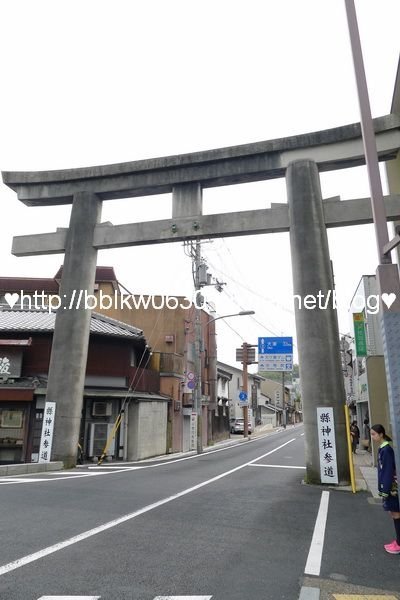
306	216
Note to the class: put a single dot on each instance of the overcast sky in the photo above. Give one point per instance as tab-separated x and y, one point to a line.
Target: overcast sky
95	82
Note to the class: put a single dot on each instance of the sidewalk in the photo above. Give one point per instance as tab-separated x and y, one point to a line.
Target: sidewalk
365	473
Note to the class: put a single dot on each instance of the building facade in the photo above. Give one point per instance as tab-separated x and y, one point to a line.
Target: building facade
168	325
118	382
365	376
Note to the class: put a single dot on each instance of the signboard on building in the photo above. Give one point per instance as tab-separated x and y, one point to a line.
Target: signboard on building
46	440
275	354
327	445
359	334
10	362
251	355
193	431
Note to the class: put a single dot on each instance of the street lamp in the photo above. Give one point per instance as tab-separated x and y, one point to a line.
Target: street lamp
213	369
242	313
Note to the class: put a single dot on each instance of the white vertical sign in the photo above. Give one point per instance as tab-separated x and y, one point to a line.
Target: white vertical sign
327	445
46	440
193	431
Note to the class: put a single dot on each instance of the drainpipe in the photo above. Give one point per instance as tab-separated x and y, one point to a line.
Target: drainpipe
126	423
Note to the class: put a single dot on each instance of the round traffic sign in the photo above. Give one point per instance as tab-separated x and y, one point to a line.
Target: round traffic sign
243	396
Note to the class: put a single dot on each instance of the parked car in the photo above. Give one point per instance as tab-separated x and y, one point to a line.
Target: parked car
237	426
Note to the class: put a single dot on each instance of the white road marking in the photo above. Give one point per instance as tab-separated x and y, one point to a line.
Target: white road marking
69	597
7	482
20	562
301	434
117	468
30	479
127	468
277	466
182	598
313	564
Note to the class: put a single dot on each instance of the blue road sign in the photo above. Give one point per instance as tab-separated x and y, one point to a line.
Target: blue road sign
243	396
275	354
275	345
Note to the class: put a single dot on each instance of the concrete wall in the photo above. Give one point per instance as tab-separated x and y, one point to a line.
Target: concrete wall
150	439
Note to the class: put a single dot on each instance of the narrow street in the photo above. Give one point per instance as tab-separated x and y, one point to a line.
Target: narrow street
233	523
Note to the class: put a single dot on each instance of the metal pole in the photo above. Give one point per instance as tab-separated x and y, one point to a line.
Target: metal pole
386	274
198	348
245	389
368	136
283	400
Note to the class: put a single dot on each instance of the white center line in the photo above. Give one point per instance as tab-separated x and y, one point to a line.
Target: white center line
111	469
313	564
20	562
277	466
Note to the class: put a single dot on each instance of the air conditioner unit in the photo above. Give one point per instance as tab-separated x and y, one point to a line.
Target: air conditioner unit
99	434
102	409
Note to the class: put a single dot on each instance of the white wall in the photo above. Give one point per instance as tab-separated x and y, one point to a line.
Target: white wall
147	429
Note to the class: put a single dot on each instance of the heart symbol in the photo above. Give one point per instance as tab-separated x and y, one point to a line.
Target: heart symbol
11	299
388	299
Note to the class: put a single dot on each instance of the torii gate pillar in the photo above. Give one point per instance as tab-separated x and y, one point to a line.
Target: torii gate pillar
71	333
317	328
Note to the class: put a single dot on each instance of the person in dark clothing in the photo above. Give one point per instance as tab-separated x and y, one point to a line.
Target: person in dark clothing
367	435
355	436
387	482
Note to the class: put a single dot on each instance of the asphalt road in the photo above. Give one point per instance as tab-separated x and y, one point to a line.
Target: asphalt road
221	525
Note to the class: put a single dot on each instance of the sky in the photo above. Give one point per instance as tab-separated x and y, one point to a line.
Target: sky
95	82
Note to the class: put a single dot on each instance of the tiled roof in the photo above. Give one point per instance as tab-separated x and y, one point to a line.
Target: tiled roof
28	284
49	284
102	274
43	321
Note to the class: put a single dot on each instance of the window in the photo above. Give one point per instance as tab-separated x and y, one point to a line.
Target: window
11	419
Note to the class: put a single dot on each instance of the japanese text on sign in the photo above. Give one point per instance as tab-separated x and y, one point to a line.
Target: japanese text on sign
47	432
327	445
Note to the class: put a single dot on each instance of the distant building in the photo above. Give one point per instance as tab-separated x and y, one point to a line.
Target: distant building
365	378
230	384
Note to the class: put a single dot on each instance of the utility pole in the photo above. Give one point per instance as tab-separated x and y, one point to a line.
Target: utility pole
245	389
198	349
201	278
246	355
283	400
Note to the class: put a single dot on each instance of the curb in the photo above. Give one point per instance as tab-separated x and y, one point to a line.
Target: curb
29	468
309	593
